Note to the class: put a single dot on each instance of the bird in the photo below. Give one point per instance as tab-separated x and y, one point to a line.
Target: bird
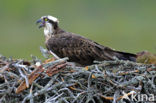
77	48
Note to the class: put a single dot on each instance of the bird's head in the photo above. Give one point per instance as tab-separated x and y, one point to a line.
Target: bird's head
49	23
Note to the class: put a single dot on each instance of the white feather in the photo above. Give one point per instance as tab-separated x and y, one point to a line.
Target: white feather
48	30
52	18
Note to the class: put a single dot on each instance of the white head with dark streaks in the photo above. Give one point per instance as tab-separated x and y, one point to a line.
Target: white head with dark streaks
49	23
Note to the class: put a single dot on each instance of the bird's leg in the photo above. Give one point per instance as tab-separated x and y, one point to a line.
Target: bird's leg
55	56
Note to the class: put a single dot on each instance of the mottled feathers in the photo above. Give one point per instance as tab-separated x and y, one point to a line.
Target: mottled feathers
82	50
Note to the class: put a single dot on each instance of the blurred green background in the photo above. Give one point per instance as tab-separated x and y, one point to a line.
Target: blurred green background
126	25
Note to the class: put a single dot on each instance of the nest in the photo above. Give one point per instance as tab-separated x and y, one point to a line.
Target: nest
56	81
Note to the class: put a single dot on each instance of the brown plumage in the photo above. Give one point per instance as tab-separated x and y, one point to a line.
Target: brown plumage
78	48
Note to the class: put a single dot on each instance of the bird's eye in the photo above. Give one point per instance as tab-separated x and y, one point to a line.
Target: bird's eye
46	19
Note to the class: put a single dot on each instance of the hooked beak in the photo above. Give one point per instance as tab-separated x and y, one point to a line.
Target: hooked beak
42	23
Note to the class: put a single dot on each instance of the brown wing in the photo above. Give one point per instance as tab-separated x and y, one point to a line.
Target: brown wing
78	48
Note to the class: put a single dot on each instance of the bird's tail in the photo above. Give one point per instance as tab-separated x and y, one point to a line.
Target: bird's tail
125	56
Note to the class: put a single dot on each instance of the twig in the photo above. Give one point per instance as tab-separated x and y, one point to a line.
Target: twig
55	56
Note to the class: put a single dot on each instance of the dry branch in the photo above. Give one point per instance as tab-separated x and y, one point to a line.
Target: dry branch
55	81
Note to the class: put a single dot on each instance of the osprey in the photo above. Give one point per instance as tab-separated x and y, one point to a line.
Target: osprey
77	48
